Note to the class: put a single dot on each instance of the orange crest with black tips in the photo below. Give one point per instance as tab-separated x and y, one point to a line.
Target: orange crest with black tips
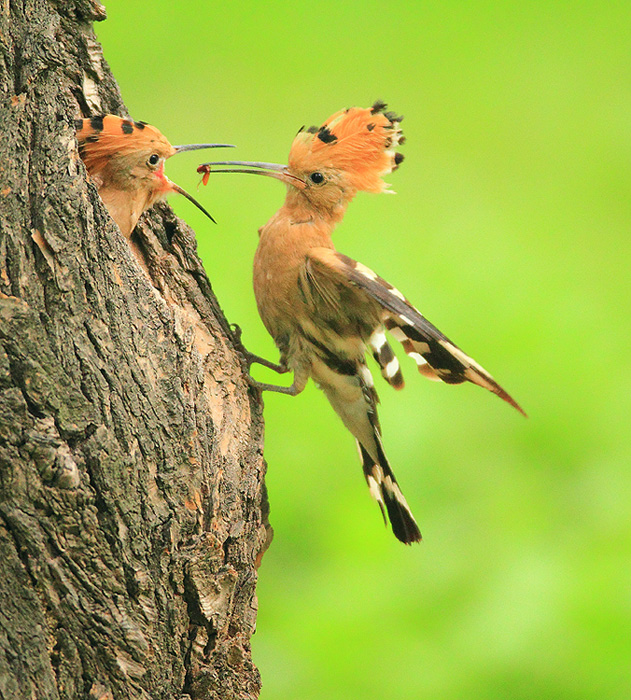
102	137
360	142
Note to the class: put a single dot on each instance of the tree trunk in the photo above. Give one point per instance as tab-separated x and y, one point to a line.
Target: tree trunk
132	502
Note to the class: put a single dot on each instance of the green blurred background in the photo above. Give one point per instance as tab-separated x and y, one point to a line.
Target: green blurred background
510	231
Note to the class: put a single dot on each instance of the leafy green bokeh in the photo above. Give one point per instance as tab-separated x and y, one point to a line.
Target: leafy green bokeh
510	231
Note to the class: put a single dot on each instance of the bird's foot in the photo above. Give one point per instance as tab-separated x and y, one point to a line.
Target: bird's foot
262	386
250	358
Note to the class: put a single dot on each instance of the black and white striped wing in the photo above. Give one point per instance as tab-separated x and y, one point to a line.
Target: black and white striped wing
437	357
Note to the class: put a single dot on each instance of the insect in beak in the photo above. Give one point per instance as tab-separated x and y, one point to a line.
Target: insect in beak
275	170
195	147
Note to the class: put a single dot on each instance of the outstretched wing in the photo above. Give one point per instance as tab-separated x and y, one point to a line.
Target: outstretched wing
336	275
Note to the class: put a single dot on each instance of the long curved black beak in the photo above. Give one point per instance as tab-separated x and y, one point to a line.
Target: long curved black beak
275	170
199	146
179	190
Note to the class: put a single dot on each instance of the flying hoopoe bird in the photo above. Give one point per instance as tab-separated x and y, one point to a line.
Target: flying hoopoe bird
125	159
324	310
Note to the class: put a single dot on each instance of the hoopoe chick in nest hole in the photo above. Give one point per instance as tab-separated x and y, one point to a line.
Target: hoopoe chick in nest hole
125	159
324	310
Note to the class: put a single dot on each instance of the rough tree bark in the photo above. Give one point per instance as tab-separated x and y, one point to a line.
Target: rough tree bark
132	503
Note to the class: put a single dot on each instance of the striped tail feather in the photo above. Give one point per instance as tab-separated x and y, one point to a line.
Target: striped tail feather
385	490
385	357
380	478
348	386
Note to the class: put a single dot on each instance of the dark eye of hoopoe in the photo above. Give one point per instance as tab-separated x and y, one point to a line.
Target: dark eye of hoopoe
154	159
317	178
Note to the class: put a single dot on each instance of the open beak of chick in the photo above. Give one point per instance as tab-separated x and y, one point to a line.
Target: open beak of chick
279	172
177	188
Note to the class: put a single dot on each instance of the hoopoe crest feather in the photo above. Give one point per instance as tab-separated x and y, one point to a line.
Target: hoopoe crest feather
359	142
102	138
325	310
125	158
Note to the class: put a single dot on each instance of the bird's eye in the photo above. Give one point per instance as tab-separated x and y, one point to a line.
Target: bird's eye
154	159
316	178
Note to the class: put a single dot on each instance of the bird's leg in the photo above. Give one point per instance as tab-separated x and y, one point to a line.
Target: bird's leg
292	390
255	359
250	357
281	368
301	375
